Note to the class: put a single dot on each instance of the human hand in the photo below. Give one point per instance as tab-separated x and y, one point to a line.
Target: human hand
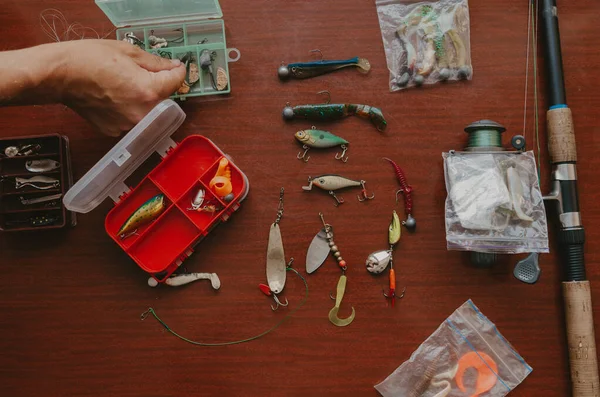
114	84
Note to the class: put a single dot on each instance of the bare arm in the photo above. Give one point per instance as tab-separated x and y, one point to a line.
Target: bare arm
110	83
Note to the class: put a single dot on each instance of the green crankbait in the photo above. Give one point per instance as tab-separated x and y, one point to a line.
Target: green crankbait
147	212
328	111
320	139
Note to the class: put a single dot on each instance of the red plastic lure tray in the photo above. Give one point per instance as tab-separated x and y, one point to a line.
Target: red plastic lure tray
160	246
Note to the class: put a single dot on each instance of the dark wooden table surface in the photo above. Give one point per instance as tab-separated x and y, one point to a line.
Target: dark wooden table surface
70	301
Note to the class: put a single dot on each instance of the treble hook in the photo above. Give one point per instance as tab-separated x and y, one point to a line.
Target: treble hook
302	156
339	200
328	95
333	313
340	156
364	194
278	303
319	51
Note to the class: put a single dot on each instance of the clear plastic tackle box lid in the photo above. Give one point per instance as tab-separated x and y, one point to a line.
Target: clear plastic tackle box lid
144	12
107	177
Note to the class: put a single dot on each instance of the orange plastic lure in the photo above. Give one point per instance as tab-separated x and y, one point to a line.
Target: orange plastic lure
486	368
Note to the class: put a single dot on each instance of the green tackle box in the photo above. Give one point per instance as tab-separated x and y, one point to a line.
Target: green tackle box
187	25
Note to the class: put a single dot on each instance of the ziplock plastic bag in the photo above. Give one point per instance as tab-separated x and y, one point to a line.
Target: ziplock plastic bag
425	41
464	354
494	203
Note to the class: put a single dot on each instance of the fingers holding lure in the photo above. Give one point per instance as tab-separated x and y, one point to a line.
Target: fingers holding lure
305	70
329	112
320	139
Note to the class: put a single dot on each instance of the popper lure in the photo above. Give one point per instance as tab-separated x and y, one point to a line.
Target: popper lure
329	112
331	183
147	212
305	70
276	264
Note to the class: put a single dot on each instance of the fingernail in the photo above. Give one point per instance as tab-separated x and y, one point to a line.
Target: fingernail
176	62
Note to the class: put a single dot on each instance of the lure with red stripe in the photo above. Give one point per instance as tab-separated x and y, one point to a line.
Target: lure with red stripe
410	223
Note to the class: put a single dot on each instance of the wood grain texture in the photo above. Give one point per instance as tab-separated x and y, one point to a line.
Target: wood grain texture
70	302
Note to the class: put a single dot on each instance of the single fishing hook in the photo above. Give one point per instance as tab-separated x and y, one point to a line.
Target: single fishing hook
340	156
319	51
326	92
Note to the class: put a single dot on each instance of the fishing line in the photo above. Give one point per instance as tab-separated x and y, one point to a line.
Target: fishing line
532	43
237	342
55	25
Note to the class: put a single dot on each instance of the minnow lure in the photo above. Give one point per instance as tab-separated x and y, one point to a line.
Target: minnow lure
305	70
43	165
276	264
147	212
38	200
320	139
410	223
328	111
341	286
39	182
332	182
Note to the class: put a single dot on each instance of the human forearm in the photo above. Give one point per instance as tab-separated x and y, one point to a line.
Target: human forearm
32	75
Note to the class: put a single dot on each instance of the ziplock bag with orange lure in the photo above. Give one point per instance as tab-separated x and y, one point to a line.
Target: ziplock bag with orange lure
465	356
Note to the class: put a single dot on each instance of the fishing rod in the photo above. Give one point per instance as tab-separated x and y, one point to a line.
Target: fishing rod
571	237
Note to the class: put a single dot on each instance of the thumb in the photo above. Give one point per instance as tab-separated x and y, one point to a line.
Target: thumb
166	82
154	63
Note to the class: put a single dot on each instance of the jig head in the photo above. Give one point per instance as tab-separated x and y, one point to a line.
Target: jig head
333	313
320	139
305	70
329	112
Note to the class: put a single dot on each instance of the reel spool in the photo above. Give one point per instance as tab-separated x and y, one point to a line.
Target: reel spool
486	136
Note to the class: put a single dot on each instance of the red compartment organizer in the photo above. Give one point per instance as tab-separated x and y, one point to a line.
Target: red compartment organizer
160	246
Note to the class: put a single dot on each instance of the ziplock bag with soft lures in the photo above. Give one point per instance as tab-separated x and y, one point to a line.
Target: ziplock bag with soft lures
465	356
494	203
425	41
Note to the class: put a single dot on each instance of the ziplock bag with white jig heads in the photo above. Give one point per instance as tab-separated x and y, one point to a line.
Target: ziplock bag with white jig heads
465	356
494	203
425	41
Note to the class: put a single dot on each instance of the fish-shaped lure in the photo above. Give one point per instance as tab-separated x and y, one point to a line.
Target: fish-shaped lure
305	70
320	139
42	165
147	212
332	182
330	111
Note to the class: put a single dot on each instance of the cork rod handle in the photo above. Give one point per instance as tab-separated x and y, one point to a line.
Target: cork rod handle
561	135
580	338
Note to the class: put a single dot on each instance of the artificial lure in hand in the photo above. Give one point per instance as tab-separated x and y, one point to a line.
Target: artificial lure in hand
276	264
305	70
320	139
328	112
332	182
147	212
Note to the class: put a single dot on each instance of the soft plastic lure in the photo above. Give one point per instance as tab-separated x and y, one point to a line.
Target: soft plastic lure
147	212
328	112
410	223
320	139
305	70
332	182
